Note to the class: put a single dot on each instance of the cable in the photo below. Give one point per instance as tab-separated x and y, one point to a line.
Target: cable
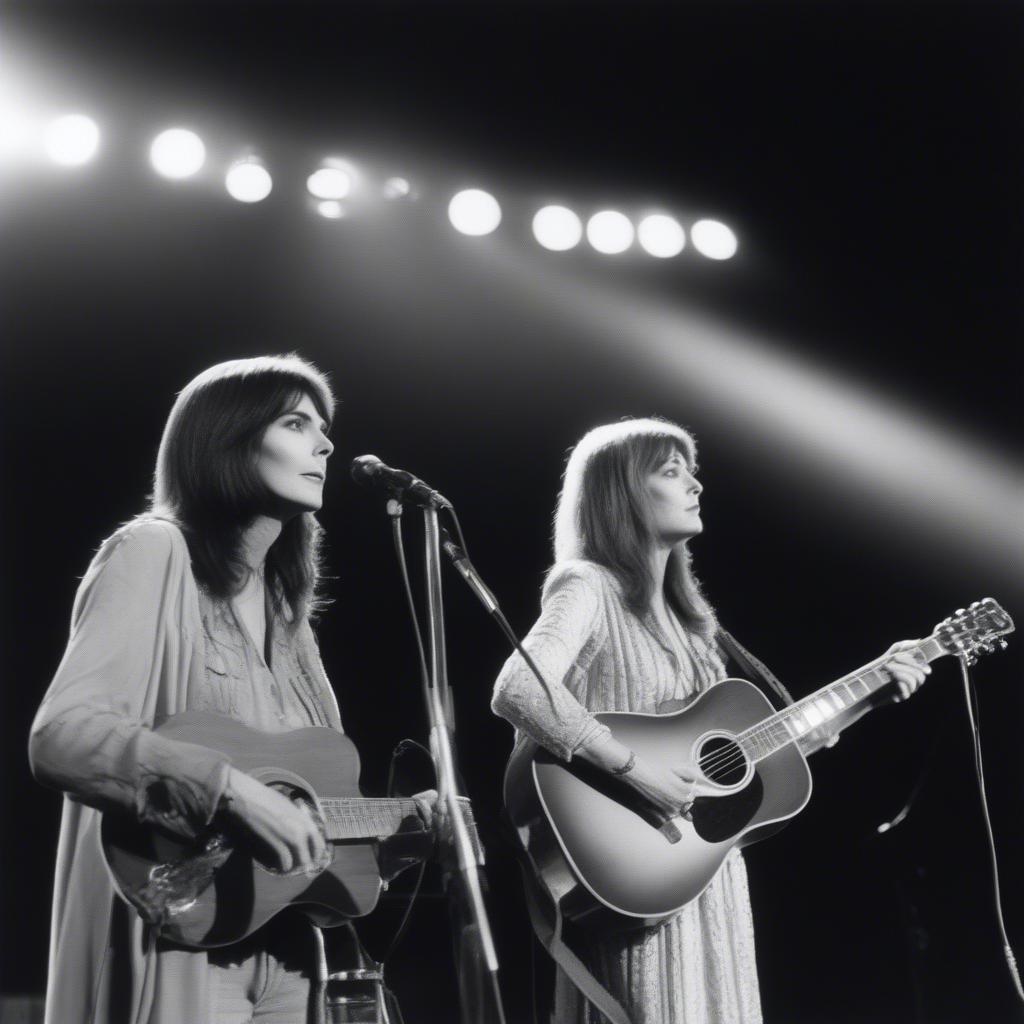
400	930
395	513
458	530
922	778
970	699
396	533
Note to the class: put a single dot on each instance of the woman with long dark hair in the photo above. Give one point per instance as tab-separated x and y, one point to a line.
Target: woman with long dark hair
203	602
624	626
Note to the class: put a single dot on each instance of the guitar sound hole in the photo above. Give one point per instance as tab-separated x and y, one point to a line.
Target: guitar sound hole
722	761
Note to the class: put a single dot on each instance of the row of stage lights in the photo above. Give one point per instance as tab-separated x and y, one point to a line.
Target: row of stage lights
179	153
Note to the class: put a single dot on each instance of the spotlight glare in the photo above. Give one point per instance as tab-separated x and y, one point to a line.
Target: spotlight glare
14	132
72	140
557	228
329	183
397	188
610	232
248	181
661	236
474	212
714	239
177	153
331	209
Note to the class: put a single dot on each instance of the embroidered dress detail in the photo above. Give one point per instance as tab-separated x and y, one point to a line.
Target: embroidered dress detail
239	683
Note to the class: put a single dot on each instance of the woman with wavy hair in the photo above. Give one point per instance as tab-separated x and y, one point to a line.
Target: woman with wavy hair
203	602
624	626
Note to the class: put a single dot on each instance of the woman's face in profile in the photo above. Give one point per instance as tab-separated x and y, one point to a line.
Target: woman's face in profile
292	458
673	499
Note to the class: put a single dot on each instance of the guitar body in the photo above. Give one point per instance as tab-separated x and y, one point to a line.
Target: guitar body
597	846
243	894
600	853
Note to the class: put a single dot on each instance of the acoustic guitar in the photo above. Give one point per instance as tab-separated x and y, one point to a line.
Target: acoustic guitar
601	850
212	891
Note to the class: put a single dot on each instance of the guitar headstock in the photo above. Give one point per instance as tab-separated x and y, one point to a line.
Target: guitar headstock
974	630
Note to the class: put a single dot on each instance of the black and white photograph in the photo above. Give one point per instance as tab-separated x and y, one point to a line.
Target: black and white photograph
514	511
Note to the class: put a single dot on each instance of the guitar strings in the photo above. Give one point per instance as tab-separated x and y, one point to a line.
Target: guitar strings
733	755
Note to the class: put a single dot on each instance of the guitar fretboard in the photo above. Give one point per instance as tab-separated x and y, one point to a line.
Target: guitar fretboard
359	817
364	817
823	707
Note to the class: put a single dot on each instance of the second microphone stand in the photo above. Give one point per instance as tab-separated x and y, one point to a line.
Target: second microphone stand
476	959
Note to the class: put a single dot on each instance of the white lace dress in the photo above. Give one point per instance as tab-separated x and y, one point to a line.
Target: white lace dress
698	967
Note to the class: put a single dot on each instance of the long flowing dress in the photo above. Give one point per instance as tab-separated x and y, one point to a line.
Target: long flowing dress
597	655
146	642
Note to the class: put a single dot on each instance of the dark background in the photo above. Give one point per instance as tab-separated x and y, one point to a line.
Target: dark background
869	157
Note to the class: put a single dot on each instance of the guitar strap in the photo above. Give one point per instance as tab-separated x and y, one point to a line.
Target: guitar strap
760	673
546	917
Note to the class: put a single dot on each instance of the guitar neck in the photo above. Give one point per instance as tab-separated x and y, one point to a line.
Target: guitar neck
825	706
364	817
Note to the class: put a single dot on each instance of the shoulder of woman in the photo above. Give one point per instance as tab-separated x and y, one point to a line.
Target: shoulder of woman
580	572
145	540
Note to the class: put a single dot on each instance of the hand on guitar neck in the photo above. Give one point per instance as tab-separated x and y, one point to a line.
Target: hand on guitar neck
907	671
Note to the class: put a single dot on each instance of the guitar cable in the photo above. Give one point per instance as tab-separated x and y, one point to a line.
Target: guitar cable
404	745
971	700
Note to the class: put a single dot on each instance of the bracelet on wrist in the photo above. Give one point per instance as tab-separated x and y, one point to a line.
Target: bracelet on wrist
626	768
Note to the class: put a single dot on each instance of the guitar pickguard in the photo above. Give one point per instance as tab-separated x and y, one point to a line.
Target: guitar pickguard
717	819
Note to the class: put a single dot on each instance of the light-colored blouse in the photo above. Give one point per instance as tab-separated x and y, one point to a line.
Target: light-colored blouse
145	644
597	655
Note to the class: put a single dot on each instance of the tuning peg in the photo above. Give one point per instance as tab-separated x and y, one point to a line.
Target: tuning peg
1003	645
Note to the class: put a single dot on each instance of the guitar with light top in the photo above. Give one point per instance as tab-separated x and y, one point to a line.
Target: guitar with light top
212	891
600	849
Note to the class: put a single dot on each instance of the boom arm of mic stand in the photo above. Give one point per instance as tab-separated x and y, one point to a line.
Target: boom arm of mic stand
441	748
468	572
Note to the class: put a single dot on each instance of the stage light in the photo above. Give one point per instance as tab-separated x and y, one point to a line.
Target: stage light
248	181
714	239
661	236
610	232
474	212
329	182
72	140
396	188
557	228
177	153
331	209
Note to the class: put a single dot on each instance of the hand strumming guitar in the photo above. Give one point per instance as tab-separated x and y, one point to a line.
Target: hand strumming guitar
671	790
288	837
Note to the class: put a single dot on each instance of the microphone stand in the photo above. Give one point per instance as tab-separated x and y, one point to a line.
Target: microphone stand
476	959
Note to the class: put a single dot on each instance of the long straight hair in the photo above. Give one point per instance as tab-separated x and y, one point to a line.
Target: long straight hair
206	480
603	515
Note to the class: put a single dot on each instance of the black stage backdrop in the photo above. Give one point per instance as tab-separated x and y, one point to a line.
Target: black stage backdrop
869	157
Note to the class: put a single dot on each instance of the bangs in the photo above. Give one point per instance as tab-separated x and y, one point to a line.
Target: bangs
652	448
300	388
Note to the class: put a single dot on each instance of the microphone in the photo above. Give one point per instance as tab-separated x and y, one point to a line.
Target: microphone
369	471
468	572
